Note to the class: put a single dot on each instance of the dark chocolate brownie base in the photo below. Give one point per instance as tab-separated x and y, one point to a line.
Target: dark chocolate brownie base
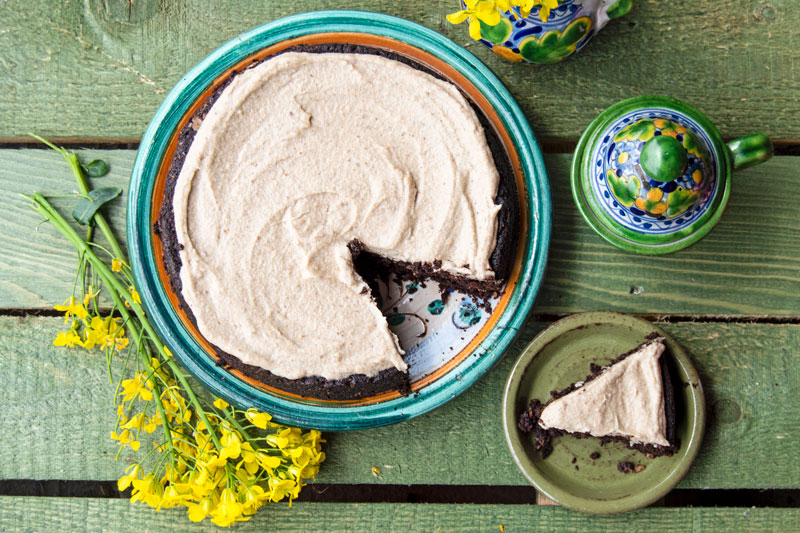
543	438
355	386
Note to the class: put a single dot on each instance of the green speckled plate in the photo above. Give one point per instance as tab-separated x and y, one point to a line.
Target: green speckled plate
561	355
458	343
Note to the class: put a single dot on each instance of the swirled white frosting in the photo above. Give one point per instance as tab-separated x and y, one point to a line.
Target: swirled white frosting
625	400
300	155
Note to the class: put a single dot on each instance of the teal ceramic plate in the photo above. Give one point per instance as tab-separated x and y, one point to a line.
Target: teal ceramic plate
561	355
461	342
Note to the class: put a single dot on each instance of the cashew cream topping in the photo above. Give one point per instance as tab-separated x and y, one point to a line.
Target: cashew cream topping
299	156
626	400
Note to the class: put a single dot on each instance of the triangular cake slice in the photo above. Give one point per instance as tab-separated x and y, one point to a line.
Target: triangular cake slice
631	401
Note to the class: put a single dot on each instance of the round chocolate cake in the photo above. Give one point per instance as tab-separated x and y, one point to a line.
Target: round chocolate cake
251	267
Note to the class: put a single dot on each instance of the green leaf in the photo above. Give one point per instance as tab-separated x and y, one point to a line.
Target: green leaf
86	208
96	168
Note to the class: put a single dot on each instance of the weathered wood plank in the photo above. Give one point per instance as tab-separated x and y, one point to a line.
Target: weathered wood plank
71	514
57	403
99	69
748	265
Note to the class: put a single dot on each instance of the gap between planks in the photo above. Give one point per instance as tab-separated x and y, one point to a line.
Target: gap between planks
392	493
549	145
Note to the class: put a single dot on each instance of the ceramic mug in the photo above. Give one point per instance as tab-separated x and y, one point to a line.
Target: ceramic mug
567	29
652	174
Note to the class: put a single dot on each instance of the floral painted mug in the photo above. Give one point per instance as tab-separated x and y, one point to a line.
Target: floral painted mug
652	175
537	31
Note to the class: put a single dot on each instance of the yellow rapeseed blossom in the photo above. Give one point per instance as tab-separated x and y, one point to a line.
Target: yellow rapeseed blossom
231	445
72	307
220	404
126	480
476	11
229	510
139	386
68	339
488	12
259	420
126	438
544	11
147	490
116	264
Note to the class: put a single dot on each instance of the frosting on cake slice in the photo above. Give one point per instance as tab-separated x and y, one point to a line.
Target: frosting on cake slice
624	400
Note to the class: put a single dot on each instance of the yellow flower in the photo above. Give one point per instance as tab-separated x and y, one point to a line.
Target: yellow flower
254	497
68	339
147	490
136	422
138	386
229	510
105	333
90	295
152	422
477	11
95	333
249	459
173	495
220	404
286	438
544	11
280	488
126	437
198	511
211	461
72	307
126	480
134	295
116	264
167	352
259	420
231	445
268	462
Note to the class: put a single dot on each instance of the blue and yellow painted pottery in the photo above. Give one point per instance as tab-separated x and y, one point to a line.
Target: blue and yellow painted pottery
548	35
652	175
648	201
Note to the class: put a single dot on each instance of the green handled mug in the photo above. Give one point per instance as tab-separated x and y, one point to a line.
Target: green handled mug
652	174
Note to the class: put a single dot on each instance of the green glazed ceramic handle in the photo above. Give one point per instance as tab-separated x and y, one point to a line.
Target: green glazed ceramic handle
619	8
750	150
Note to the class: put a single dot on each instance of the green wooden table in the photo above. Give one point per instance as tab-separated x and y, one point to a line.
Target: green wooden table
92	72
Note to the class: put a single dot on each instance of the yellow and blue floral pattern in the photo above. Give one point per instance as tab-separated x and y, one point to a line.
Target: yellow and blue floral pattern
566	30
630	196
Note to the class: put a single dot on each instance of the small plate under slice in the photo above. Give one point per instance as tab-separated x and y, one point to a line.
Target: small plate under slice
561	355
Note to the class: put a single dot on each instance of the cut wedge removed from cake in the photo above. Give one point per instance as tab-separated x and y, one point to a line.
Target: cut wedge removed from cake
630	401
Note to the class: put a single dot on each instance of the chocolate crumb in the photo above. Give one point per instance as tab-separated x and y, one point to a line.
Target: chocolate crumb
576	467
639	468
594	455
625	467
574	459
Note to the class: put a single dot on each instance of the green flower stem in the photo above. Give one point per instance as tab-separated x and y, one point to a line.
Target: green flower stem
85	250
83	185
54	217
